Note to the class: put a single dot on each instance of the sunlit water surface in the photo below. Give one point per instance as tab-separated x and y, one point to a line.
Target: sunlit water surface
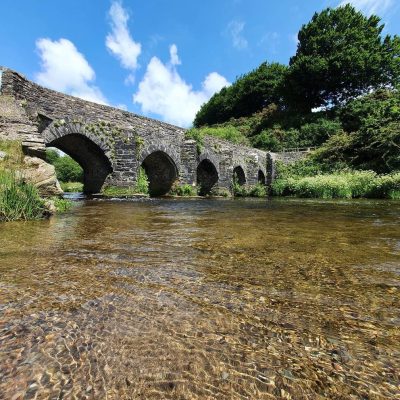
202	299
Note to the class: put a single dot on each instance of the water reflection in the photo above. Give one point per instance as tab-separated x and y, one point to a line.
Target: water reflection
202	299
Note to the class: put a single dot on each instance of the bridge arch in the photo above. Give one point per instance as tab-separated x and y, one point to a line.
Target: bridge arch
207	176
261	177
160	165
239	175
92	154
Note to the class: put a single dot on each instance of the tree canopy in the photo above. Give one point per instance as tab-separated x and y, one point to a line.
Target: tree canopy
341	55
67	169
249	94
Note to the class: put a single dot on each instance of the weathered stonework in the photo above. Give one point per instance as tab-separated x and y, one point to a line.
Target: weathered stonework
111	144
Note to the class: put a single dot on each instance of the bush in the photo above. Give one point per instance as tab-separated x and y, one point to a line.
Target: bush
184	190
18	200
258	190
142	184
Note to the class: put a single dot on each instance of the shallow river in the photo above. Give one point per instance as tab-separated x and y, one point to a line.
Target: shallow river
202	299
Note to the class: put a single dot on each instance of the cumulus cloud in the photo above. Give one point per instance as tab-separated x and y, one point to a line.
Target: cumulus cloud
65	69
235	29
162	91
378	7
119	41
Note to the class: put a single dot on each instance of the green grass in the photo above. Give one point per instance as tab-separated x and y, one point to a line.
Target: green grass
14	155
229	133
18	200
258	190
72	186
341	185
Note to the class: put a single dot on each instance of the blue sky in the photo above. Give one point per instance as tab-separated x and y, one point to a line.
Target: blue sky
157	58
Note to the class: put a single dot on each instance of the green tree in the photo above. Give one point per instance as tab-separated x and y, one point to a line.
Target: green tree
68	170
341	54
52	156
372	134
250	93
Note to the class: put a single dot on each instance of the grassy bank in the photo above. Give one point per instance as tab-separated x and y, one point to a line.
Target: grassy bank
19	199
341	185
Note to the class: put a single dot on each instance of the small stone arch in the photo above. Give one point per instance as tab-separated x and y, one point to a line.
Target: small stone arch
161	170
207	176
261	177
238	175
87	149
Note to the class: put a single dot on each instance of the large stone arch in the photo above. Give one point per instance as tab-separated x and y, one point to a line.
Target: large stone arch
88	149
161	164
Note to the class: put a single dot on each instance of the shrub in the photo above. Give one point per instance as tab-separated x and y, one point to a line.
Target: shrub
238	190
184	190
142	184
258	190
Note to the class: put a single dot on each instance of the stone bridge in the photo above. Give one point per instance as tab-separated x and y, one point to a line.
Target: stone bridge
111	144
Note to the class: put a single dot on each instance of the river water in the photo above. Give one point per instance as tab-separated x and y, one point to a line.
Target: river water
202	299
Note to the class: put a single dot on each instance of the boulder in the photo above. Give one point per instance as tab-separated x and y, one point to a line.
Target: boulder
2	155
42	175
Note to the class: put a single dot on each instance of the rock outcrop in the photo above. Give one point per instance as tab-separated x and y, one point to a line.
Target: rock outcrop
42	175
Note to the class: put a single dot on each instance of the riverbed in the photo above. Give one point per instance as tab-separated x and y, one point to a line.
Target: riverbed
202	299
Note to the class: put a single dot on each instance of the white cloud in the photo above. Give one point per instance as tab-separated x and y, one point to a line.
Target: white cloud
65	69
271	40
119	41
235	29
378	7
162	91
173	53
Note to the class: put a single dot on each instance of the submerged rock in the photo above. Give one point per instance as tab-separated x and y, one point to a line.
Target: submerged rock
42	175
